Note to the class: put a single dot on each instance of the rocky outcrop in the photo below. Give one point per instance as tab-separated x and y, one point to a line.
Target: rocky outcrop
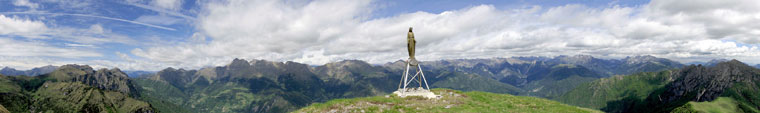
106	79
701	83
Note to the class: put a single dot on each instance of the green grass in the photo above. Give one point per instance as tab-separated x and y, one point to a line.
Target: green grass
720	105
452	101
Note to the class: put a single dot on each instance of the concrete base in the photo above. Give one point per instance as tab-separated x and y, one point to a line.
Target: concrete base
419	91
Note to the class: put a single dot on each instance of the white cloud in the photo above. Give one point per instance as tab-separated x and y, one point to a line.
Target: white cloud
26	63
26	3
158	19
732	19
321	31
168	7
168	4
19	26
16	48
96	34
79	45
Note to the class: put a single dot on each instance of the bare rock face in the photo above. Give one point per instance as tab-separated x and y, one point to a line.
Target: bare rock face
701	83
106	79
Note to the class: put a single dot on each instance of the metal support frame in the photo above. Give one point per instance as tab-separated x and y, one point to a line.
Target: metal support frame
406	80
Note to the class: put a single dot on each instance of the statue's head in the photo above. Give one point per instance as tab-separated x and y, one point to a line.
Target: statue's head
410	29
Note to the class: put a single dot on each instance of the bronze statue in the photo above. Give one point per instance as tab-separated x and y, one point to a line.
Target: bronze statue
410	46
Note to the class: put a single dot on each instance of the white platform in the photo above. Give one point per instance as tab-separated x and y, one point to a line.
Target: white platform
419	91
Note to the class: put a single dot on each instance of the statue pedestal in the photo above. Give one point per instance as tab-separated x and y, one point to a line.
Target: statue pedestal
419	91
405	90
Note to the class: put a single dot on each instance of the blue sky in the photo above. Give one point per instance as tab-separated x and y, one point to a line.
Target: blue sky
155	34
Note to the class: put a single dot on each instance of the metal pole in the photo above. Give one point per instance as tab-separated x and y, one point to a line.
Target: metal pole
405	75
419	78
423	76
400	81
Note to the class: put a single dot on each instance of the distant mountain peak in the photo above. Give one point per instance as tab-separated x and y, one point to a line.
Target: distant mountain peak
575	58
76	66
733	63
31	72
349	63
642	59
239	62
579	56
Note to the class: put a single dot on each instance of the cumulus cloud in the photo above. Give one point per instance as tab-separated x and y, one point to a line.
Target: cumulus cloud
95	34
321	31
15	25
734	19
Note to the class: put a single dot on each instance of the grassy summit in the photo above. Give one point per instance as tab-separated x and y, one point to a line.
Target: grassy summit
452	101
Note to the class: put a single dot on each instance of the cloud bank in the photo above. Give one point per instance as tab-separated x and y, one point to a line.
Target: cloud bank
321	31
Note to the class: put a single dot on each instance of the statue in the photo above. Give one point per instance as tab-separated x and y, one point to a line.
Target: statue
405	85
410	46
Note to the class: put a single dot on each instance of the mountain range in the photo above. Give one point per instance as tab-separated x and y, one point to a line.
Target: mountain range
730	86
32	72
266	86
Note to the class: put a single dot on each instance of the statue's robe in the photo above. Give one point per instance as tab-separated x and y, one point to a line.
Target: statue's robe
410	46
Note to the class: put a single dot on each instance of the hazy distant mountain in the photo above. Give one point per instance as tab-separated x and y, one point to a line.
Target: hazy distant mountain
625	66
714	62
71	88
136	74
536	78
732	84
32	72
757	66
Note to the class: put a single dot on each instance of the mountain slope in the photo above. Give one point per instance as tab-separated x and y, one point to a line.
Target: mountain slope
451	101
673	91
604	93
71	88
